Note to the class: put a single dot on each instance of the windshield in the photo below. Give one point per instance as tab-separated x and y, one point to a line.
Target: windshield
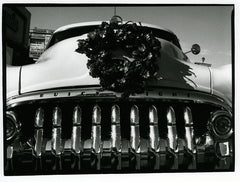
77	31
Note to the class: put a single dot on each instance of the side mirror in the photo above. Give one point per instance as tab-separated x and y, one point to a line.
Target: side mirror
195	49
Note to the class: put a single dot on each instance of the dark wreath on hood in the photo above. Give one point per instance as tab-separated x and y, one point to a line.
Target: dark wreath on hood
122	56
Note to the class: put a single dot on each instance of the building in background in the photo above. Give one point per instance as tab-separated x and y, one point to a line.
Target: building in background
16	25
39	39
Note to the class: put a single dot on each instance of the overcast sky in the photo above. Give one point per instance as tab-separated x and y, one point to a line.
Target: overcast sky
209	26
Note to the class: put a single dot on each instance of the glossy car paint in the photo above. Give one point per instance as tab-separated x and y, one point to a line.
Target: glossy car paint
62	66
12	82
222	82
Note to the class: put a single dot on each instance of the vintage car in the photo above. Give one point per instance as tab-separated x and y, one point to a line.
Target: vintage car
59	120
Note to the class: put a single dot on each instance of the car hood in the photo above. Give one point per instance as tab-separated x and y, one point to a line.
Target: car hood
61	66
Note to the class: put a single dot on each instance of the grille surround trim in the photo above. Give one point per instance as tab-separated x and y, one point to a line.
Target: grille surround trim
90	93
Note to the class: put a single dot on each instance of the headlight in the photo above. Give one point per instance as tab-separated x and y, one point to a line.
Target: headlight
221	124
12	126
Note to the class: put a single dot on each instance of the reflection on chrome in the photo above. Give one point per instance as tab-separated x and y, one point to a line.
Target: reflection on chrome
76	140
57	117
38	136
189	131
77	115
153	115
115	129
154	139
56	141
96	116
134	115
56	131
38	133
9	152
39	117
76	143
134	132
115	114
172	129
96	130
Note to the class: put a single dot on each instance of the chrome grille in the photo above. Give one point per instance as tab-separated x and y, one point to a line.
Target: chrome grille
114	136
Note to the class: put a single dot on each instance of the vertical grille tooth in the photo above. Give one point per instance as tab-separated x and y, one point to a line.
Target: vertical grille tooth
96	116
38	132
134	132
56	131
9	152
38	136
172	130
57	117
115	129
39	118
9	156
77	116
189	131
56	141
96	130
134	115
76	144
154	133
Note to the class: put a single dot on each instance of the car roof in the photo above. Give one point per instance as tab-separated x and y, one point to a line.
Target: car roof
92	23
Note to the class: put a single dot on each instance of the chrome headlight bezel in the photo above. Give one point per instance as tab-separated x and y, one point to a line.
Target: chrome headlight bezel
216	121
11	118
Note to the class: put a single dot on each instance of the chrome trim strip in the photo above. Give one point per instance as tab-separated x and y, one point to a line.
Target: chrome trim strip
172	130
186	95
154	140
115	129
134	130
211	79
96	130
189	131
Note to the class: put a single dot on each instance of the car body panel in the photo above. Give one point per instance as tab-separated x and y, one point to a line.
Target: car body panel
222	82
62	66
12	83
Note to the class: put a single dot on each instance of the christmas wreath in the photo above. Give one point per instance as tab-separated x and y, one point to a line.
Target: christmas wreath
122	56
